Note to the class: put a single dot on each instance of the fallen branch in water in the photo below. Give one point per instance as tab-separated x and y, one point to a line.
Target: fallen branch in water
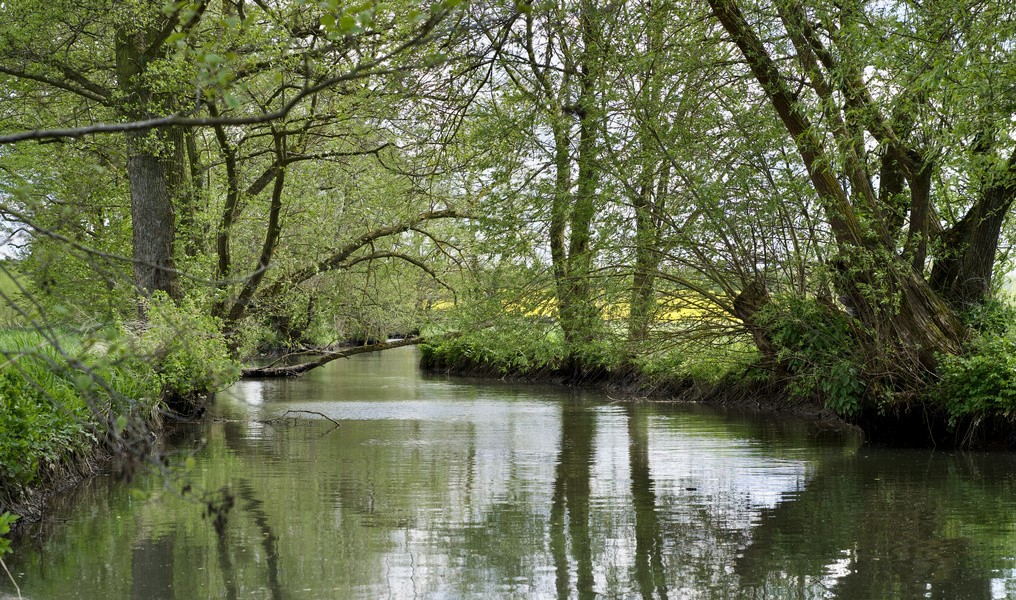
309	412
276	420
327	357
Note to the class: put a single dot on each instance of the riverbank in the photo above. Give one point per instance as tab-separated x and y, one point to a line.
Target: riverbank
74	401
68	403
920	423
763	395
498	473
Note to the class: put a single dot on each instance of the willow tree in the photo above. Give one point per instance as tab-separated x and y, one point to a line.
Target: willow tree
900	116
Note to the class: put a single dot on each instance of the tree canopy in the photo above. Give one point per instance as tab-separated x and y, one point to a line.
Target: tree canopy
823	188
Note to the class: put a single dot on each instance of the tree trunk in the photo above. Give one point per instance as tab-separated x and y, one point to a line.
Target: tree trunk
871	274
152	219
152	157
559	211
963	269
652	186
579	314
272	234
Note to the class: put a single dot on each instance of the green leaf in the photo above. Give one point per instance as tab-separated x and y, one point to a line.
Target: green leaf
83	381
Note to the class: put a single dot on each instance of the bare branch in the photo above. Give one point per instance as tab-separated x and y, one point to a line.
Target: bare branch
361	71
302	368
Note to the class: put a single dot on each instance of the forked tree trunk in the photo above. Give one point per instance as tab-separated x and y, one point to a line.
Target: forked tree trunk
897	306
964	266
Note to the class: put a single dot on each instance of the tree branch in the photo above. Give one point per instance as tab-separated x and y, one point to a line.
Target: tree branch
85	93
328	357
369	69
337	259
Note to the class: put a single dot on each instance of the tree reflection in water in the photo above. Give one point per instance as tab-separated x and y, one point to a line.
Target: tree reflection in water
571	501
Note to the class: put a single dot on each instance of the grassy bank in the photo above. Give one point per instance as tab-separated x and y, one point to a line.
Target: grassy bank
532	348
70	397
61	395
968	402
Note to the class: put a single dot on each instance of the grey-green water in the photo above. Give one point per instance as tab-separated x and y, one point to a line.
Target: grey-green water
438	488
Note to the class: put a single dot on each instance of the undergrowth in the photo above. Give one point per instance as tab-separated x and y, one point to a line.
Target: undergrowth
981	381
66	393
535	347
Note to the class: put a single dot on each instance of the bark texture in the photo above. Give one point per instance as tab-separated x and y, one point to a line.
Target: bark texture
153	160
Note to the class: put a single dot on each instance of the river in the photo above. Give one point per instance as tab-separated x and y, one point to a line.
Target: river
434	487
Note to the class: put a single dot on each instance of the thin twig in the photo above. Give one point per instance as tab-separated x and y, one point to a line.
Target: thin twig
11	577
312	412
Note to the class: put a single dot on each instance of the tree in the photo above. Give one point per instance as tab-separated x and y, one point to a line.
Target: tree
873	111
165	72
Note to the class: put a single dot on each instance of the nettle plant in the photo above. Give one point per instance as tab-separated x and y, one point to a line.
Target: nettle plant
818	348
982	379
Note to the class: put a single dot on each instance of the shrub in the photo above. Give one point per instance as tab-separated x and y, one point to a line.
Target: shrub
818	348
188	352
982	379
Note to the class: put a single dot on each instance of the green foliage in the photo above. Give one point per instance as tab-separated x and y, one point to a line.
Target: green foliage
56	390
530	346
516	345
189	354
6	520
11	298
659	366
982	379
33	427
818	348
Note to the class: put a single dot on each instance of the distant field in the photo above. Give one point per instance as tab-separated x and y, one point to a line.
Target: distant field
667	312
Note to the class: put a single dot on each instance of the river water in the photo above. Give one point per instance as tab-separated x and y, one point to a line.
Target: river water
447	488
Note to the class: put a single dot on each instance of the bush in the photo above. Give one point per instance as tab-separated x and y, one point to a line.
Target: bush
818	348
982	379
188	352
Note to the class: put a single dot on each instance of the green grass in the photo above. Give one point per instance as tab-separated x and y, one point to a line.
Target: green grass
57	389
11	299
528	346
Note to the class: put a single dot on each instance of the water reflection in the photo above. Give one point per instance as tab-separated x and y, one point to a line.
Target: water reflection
892	524
649	570
570	505
436	488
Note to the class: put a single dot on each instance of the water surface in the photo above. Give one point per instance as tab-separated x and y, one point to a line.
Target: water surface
450	488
